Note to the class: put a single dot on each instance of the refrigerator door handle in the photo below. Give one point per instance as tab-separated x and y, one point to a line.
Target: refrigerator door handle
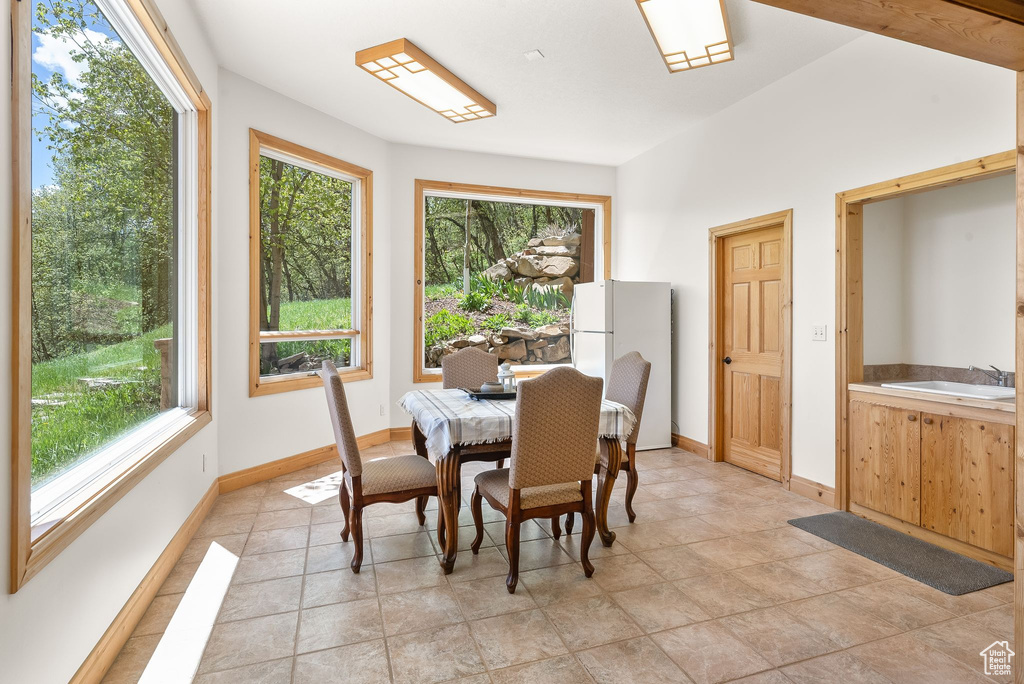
572	330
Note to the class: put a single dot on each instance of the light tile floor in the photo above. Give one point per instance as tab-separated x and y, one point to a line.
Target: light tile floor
709	585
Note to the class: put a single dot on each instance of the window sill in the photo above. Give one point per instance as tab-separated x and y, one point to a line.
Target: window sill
83	513
300	381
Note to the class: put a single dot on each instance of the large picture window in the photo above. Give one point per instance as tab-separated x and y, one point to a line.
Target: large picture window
496	270
310	230
111	214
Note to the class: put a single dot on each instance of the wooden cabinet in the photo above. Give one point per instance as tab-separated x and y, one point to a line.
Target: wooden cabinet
967	481
885	460
952	475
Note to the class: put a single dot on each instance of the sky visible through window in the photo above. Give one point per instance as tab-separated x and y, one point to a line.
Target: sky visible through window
52	55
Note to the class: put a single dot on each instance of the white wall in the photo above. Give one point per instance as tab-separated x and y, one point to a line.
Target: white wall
950	275
49	627
884	268
409	162
255	430
872	110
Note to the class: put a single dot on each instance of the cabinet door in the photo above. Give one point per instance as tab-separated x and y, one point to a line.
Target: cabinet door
967	481
885	460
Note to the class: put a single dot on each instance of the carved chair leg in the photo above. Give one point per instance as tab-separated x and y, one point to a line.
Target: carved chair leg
588	537
556	529
478	519
421	504
357	538
632	480
570	522
512	547
343	499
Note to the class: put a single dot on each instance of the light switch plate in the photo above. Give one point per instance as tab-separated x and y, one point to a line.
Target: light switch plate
819	333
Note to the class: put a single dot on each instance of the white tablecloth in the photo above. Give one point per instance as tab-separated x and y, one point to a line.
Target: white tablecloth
448	417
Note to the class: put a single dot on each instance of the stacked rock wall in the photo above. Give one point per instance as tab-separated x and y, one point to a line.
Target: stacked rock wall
545	263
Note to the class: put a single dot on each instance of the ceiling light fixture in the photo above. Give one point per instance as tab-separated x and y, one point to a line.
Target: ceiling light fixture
405	67
689	33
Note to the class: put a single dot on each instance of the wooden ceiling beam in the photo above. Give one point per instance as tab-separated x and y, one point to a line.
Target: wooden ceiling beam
990	31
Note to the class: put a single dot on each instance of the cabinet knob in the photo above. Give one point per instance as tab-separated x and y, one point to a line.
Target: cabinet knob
911	417
926	421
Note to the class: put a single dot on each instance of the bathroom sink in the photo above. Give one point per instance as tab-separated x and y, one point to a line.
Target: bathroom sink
955	389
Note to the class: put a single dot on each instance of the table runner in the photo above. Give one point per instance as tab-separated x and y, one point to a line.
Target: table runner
448	417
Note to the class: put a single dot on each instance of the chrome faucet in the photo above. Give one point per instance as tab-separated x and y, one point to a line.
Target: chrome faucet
1002	378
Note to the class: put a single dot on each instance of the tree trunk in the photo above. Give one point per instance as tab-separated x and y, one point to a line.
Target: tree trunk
276	255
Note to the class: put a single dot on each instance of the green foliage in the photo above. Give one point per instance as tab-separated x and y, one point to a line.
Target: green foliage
474	301
434	292
320	314
511	292
533	319
497	322
485	286
546	298
445	325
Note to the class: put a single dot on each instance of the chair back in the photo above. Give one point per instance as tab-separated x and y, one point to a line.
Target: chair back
344	434
627	385
554	437
468	368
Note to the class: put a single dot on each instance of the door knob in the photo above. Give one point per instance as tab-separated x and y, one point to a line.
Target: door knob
727	360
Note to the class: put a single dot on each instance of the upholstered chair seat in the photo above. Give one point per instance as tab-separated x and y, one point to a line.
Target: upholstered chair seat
397	473
495	484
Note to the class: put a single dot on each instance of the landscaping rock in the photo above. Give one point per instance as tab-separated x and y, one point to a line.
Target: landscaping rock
513	351
552	330
499	271
497	340
573	239
519	333
559	250
535	242
477	340
556	352
536	344
530	266
460	344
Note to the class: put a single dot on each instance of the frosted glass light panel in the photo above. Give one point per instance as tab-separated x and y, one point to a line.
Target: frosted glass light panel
406	68
688	33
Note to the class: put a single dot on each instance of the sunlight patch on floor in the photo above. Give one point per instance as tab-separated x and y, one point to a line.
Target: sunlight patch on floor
318	490
181	647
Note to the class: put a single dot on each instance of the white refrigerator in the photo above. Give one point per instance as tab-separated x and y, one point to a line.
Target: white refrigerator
611	318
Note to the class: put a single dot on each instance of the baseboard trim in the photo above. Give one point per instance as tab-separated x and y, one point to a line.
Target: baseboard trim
815	491
291	464
691	445
95	667
401	434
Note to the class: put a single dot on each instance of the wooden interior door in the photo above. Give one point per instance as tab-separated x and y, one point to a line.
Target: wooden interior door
751	301
885	460
967	481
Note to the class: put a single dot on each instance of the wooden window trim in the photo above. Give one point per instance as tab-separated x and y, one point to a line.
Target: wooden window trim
849	277
419	374
259	386
28	557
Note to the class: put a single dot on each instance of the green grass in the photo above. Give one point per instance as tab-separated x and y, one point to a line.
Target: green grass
80	420
322	314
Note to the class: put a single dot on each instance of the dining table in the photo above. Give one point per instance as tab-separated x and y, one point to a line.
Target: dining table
450	427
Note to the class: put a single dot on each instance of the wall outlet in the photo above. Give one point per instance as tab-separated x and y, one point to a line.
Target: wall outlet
382	409
819	333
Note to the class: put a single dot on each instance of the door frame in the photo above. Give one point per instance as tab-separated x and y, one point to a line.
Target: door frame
716	238
849	275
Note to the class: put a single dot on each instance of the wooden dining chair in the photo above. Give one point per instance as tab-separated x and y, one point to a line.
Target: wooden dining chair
468	369
627	385
394	479
554	437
